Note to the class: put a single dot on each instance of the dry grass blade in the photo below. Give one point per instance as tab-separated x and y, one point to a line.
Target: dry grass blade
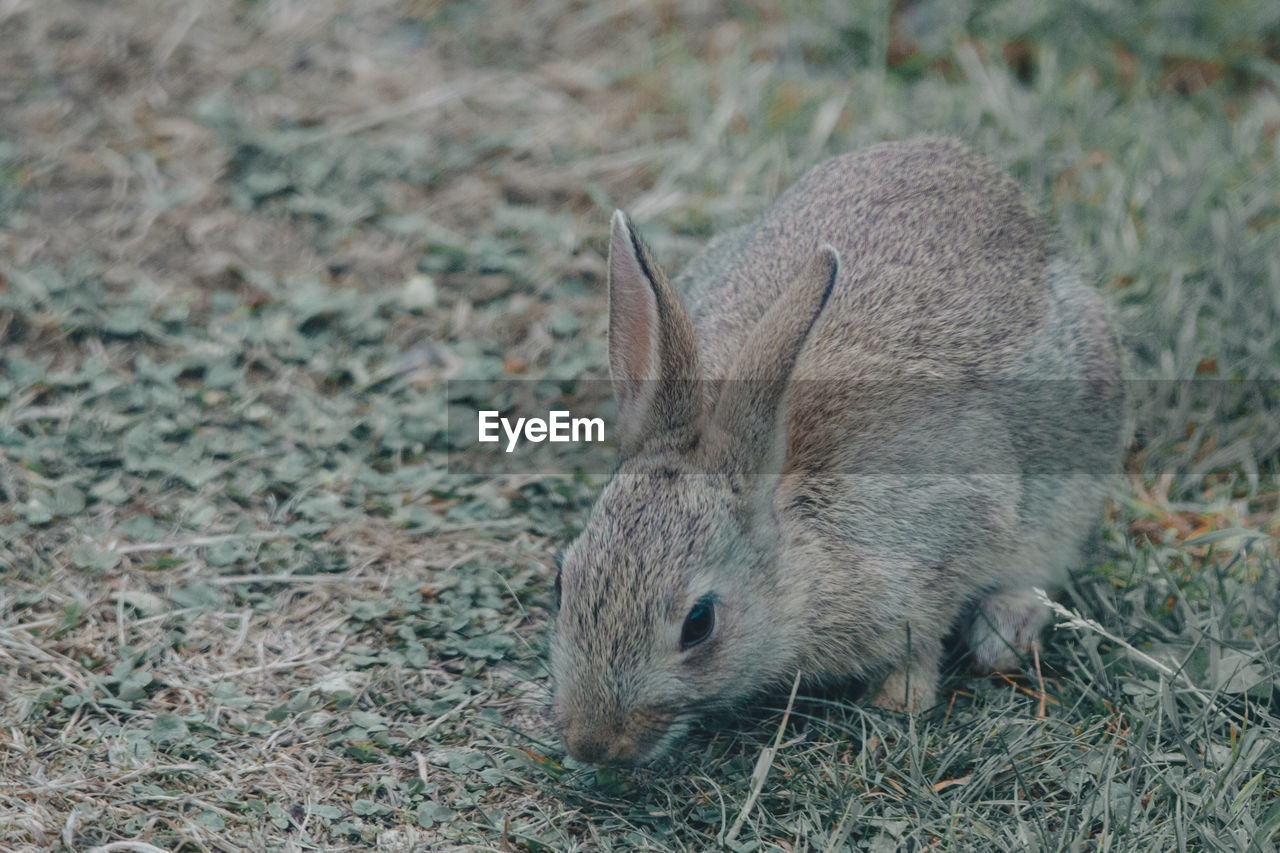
127	847
422	102
763	763
1073	620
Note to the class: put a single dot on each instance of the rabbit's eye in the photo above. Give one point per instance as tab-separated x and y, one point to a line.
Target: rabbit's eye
699	622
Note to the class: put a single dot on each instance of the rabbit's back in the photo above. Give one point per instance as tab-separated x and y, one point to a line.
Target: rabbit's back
941	273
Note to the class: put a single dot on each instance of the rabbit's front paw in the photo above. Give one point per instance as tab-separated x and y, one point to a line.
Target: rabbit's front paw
909	689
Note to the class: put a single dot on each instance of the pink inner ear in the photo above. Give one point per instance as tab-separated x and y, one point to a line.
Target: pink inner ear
633	312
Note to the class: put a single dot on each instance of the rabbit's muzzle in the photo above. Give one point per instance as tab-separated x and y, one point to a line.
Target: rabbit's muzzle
631	737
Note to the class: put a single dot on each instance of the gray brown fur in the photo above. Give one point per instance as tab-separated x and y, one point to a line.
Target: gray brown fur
855	490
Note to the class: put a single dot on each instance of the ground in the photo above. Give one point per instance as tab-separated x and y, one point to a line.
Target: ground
246	604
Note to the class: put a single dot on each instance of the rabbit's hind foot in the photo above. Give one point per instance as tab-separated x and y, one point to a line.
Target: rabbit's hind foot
1006	626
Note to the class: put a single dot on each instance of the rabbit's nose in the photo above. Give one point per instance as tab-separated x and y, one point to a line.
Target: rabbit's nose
592	748
587	748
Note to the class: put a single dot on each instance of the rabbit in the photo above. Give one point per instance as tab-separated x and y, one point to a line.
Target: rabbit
884	410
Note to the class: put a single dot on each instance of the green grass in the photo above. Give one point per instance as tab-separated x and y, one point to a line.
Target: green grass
244	604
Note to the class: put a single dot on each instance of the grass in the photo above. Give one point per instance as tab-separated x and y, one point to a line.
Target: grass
245	605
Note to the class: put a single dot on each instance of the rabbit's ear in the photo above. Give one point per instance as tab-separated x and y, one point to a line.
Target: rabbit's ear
749	413
653	354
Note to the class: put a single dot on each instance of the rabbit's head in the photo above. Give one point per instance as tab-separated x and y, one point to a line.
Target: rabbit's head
670	601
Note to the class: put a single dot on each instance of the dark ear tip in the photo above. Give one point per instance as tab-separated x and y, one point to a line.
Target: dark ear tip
830	254
831	257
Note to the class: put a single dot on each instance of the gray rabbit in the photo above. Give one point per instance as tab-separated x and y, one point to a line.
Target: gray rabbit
882	410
